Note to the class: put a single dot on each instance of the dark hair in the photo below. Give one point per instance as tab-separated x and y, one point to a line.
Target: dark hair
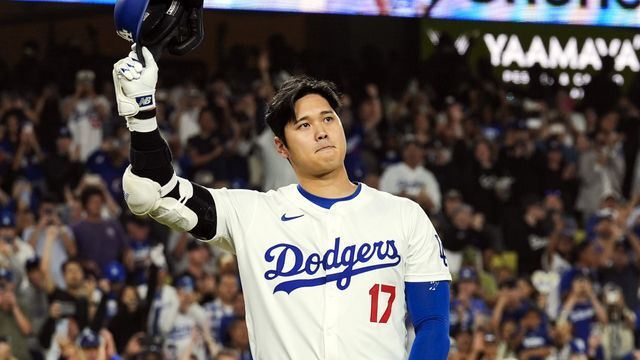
281	109
71	261
88	192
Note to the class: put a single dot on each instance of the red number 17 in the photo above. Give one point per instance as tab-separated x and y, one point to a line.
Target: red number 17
374	292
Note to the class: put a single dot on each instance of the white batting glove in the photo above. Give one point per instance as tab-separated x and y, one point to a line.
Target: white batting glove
134	84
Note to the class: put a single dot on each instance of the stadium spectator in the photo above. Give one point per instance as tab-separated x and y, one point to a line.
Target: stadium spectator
64	246
99	241
15	323
223	305
188	317
410	179
601	170
14	252
33	295
468	311
582	308
85	111
62	166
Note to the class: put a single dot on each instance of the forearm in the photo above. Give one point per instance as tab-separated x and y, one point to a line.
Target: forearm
17	160
496	316
432	341
536	353
152	187
69	244
45	265
566	309
428	305
23	322
34	235
601	312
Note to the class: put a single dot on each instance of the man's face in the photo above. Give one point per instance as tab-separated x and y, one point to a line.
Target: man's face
186	296
228	288
316	140
35	277
91	353
73	275
94	205
198	256
8	234
413	155
239	335
84	88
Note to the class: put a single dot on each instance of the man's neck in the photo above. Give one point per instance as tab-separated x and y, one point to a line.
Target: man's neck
331	186
412	166
195	270
93	219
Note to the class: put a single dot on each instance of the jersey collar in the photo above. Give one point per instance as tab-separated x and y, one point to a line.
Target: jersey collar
326	203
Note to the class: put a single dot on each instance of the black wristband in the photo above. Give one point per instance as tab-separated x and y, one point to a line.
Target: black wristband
147	114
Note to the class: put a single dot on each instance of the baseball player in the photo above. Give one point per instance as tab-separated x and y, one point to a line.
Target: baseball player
329	267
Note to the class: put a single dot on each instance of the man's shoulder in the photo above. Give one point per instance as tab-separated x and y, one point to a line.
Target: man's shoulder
388	199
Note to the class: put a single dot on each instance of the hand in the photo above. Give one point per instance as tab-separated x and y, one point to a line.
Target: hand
477	222
108	342
104	285
134	84
42	222
52	232
157	256
55	310
263	61
5	249
10	299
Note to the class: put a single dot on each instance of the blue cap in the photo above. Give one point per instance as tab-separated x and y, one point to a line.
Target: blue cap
467	274
185	283
89	339
128	16
7	219
6	274
114	272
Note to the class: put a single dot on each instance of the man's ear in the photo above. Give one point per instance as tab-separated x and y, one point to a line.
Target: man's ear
281	148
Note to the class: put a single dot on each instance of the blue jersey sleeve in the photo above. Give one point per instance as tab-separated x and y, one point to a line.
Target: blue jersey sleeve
428	304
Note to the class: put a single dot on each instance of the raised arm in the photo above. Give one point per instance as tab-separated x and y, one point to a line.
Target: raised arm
45	264
151	186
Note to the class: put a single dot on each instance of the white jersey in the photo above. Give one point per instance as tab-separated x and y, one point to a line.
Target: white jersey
400	177
327	283
85	124
180	336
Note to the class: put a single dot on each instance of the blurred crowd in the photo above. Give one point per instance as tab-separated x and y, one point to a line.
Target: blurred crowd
535	196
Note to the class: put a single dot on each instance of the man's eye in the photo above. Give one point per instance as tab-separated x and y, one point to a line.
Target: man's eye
328	118
305	125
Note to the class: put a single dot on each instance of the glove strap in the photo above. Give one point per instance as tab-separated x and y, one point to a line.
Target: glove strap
145	115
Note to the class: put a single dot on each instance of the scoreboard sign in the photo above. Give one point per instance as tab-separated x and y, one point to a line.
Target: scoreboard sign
570	55
618	13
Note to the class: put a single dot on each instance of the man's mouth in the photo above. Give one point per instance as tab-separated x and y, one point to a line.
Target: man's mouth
325	148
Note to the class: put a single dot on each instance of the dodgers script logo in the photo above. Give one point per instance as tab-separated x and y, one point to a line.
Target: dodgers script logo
351	260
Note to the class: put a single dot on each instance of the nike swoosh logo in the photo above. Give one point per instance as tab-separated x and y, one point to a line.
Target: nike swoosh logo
285	218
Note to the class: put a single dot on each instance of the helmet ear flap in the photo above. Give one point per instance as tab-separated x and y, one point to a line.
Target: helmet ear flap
189	34
160	21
